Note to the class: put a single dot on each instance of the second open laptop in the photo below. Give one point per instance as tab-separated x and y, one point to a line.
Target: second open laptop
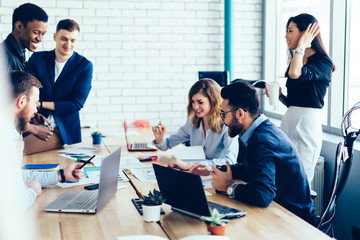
134	147
91	201
185	193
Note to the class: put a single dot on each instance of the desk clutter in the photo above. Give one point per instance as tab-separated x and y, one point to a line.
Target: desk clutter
120	218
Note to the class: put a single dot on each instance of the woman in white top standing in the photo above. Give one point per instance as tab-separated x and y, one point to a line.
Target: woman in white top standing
308	77
203	128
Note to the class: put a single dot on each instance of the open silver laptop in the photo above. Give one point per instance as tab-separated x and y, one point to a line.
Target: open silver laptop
91	201
137	147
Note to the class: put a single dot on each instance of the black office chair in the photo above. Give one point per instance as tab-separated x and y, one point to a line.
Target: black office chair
355	233
221	77
343	160
258	84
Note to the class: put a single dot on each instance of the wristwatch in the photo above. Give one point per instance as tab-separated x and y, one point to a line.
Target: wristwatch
62	175
231	189
300	50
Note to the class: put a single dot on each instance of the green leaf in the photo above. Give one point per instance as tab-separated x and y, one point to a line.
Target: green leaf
154	198
215	219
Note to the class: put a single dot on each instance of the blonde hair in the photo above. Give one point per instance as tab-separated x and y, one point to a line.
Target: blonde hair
210	89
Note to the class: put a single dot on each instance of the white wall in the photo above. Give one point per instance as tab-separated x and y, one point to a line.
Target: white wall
146	53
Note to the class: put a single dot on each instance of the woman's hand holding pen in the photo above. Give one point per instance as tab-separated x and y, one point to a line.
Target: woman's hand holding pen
159	132
308	35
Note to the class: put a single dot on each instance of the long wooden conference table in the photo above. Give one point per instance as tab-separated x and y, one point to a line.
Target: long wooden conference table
120	218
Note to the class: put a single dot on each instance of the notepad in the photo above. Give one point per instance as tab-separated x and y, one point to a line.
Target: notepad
192	153
41	167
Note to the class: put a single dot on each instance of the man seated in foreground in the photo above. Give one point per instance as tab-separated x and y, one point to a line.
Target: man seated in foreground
23	107
270	167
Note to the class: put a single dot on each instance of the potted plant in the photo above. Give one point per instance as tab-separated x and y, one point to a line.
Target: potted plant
216	224
96	136
152	206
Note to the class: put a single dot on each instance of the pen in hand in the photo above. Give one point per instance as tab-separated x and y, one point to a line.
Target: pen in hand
86	162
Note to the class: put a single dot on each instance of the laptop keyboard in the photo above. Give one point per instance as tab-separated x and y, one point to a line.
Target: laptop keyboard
86	200
139	145
230	212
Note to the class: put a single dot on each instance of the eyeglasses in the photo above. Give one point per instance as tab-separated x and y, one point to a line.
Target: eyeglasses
223	114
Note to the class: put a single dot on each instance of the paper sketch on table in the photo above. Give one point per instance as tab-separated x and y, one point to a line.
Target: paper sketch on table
192	153
80	150
144	174
93	174
129	162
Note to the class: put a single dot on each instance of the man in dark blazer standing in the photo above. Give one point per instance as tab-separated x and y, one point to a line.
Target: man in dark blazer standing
66	79
29	25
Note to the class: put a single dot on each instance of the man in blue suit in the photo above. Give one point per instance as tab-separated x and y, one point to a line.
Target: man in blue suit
66	79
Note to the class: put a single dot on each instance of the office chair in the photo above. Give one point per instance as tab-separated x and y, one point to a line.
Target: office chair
258	84
355	233
343	159
221	77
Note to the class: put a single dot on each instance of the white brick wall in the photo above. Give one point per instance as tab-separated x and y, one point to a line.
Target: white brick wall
146	53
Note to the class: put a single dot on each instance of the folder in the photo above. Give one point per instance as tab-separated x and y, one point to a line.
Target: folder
41	167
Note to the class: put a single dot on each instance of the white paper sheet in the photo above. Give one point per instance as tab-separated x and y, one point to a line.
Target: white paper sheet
144	174
82	181
80	150
206	181
129	162
193	153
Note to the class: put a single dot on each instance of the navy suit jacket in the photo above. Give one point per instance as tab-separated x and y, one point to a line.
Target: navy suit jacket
68	93
273	171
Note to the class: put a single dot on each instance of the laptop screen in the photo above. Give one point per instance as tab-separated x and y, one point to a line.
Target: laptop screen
182	190
125	130
108	178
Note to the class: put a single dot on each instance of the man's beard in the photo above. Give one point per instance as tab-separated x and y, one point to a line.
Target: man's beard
234	128
23	121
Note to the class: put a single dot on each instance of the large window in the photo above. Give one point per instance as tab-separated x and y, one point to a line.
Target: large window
353	87
340	32
285	10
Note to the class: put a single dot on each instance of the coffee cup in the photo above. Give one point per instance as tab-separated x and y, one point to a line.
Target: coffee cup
273	92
